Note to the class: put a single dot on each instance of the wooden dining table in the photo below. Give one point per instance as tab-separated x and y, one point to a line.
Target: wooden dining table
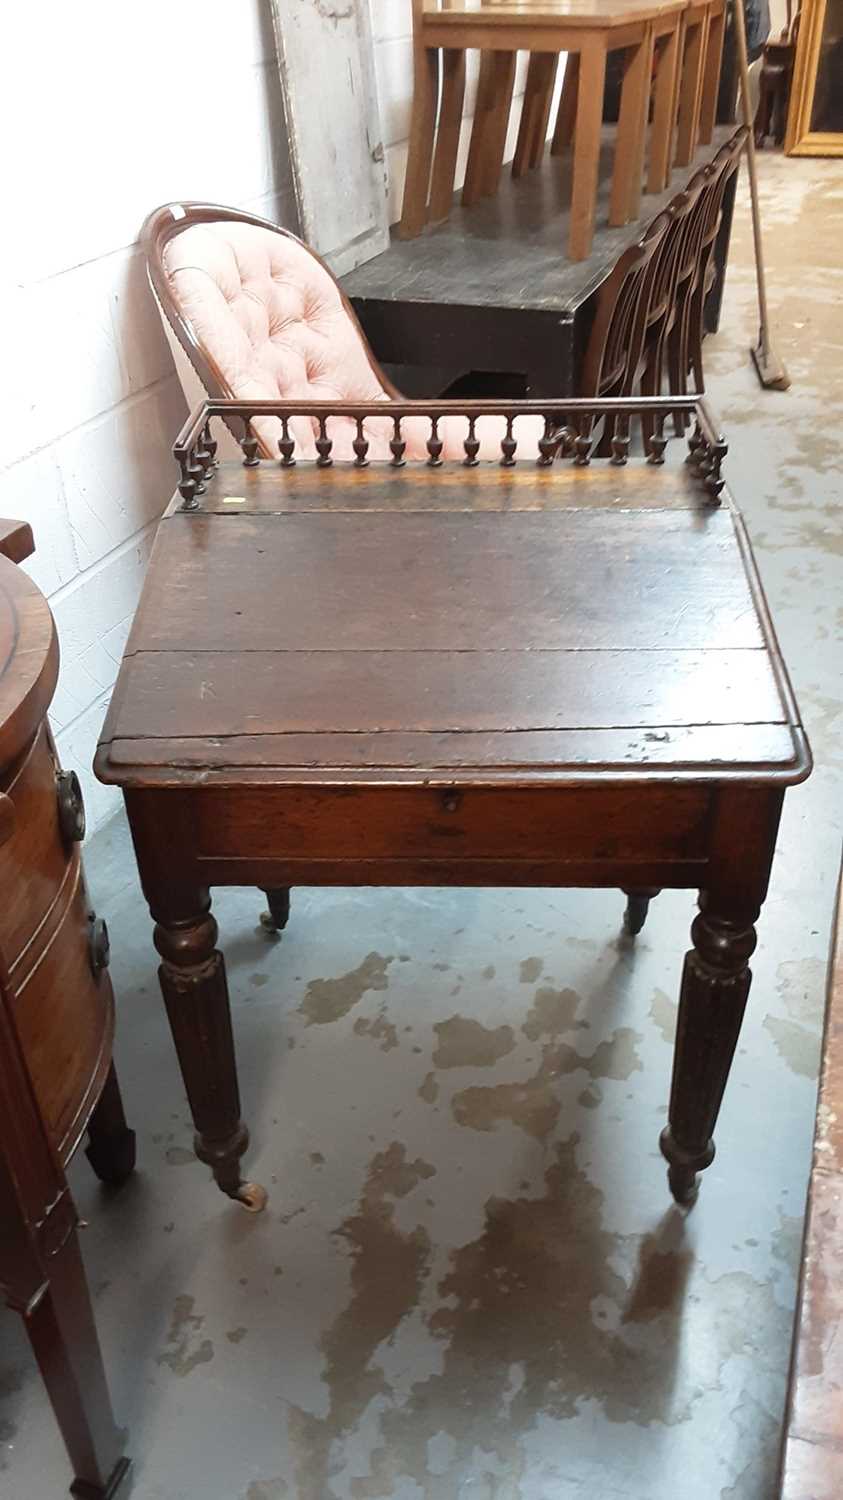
545	670
487	304
588	30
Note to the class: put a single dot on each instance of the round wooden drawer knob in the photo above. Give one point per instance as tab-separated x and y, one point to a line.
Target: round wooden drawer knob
71	807
100	945
451	801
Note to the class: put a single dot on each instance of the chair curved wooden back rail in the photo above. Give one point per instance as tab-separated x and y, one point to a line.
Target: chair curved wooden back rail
699	189
261	316
657	315
686	334
725	165
614	345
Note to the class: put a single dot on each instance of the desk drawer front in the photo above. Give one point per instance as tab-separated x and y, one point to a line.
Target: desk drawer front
34	861
434	823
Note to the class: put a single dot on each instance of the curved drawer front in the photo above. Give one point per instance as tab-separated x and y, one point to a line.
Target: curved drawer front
35	861
65	1015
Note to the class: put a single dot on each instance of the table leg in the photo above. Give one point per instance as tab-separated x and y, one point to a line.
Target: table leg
716	977
195	992
689	94
637	907
278	901
111	1144
625	202
661	136
497	127
472	187
563	131
64	1339
535	112
715	985
543	117
448	134
587	133
711	76
420	150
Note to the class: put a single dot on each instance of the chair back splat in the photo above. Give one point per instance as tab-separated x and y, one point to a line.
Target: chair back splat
611	355
694	263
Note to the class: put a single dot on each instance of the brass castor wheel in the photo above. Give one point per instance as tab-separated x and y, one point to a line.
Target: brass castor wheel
252	1196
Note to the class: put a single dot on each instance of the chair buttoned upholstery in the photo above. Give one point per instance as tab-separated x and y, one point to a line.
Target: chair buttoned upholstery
272	320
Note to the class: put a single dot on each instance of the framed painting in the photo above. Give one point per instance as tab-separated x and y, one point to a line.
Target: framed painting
815	117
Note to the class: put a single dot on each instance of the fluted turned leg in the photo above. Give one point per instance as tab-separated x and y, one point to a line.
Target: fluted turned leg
637	906
195	992
111	1144
715	985
278	915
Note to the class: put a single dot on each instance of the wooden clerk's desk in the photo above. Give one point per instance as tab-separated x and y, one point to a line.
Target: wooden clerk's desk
543	671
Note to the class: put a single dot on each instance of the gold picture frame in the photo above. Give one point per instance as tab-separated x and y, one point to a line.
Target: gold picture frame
816	96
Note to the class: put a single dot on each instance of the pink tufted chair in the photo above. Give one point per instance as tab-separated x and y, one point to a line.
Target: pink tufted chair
260	315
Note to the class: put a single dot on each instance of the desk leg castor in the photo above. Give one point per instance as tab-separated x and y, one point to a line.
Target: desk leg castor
278	901
637	906
111	1144
252	1196
195	992
715	985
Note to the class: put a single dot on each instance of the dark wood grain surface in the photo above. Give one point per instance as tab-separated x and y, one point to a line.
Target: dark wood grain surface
282	630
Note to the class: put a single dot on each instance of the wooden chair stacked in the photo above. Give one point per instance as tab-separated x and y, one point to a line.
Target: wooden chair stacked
672	52
695	268
612	355
650	312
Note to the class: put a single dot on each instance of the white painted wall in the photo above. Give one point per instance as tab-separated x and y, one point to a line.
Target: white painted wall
392	29
107	110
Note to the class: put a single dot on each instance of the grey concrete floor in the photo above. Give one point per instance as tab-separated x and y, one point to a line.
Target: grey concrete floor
469	1281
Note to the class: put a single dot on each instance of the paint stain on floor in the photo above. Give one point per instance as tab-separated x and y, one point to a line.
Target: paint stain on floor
328	1000
463	1042
545	1310
185	1350
387	1269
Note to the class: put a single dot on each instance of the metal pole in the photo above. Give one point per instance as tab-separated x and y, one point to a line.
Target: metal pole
771	371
